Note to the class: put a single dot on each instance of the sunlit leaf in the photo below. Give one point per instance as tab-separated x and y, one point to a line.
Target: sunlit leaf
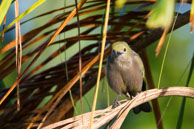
192	15
4	8
162	14
120	3
33	7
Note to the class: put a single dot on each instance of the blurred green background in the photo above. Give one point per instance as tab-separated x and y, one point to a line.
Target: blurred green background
178	57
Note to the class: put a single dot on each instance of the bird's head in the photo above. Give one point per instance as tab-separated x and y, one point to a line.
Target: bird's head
120	48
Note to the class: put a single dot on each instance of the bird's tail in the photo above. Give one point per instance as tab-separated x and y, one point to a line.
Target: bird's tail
145	107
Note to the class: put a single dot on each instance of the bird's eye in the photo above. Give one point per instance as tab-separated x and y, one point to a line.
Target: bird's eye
124	49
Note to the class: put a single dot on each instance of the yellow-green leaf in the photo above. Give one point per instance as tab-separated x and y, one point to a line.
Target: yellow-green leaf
33	7
120	3
192	15
3	9
161	14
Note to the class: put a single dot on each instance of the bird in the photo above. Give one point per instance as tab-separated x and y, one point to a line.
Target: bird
125	74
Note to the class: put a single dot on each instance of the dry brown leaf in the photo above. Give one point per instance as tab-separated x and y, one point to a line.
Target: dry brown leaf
103	116
161	42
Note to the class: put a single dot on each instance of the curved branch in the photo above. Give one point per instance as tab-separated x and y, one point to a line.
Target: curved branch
104	116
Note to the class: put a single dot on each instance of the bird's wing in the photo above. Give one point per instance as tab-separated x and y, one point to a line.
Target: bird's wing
140	63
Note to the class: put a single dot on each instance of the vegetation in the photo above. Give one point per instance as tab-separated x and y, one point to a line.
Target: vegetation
51	53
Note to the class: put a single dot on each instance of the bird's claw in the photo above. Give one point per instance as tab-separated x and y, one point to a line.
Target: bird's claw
115	104
128	95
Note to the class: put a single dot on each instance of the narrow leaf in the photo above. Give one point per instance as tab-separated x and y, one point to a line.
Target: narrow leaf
182	108
4	8
161	42
33	7
192	15
100	63
120	3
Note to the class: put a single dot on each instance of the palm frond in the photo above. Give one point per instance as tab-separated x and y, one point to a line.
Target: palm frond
43	84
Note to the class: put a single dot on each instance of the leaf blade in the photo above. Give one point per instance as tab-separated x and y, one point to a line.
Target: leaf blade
4	9
33	7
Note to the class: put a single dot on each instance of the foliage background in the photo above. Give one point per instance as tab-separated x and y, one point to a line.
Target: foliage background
179	54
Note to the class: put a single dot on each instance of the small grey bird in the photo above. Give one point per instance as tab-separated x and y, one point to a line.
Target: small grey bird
125	74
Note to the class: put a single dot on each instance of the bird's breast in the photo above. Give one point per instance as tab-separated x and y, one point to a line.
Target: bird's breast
123	63
130	73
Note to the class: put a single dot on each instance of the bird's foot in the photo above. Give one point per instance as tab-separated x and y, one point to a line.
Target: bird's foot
128	95
115	104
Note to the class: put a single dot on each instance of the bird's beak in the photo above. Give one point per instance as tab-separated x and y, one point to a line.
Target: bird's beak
117	53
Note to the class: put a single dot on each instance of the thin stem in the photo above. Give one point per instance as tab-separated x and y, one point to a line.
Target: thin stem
100	64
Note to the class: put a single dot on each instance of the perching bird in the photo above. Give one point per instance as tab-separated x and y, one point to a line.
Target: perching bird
125	74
